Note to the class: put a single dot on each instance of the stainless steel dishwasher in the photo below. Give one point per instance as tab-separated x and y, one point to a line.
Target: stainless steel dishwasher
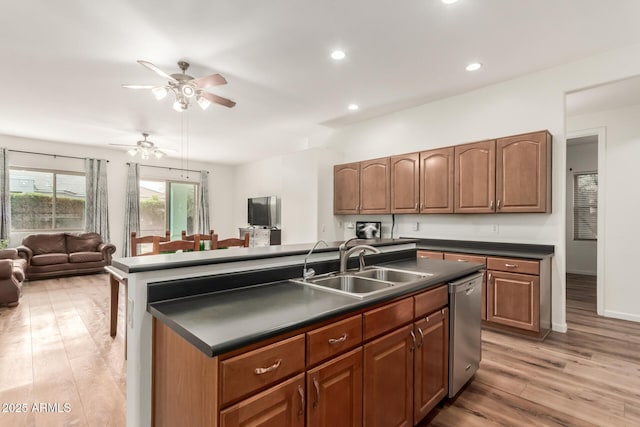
465	351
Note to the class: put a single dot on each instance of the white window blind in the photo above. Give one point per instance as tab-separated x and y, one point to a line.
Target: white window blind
585	206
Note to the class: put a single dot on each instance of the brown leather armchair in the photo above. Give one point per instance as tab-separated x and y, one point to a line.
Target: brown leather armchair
11	276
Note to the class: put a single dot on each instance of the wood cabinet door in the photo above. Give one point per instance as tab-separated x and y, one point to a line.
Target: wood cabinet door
279	406
436	180
334	392
475	177
405	183
388	380
431	365
523	173
375	186
514	300
346	188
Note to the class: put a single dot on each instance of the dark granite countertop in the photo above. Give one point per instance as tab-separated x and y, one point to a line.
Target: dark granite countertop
517	250
219	322
191	259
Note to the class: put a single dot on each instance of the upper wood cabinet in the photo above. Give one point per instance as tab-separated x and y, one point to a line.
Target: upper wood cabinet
475	179
405	183
375	186
346	188
422	182
437	180
523	173
362	187
504	175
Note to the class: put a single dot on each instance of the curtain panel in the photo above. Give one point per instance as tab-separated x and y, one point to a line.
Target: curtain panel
203	203
132	207
5	196
96	208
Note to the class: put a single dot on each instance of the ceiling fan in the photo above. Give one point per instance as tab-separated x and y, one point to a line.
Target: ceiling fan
185	87
146	149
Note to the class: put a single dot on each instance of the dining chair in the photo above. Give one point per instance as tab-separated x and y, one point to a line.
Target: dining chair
175	245
135	241
225	243
203	237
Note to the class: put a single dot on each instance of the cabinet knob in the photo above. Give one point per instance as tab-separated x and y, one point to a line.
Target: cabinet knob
498	203
491	205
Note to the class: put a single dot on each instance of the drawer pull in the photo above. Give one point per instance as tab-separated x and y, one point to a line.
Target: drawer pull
511	265
260	371
342	339
462	260
317	387
301	391
421	337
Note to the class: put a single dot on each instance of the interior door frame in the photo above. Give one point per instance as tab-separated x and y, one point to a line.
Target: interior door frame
601	133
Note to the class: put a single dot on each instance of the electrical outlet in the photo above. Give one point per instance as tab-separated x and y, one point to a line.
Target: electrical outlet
495	228
415	226
323	228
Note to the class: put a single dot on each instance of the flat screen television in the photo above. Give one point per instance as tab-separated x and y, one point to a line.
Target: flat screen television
262	211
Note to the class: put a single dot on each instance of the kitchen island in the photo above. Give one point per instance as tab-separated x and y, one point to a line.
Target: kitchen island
226	303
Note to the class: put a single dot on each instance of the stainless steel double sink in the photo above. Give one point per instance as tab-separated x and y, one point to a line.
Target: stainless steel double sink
361	284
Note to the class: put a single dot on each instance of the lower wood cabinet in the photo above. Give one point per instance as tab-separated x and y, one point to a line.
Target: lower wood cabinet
385	366
431	362
281	405
334	392
388	380
513	300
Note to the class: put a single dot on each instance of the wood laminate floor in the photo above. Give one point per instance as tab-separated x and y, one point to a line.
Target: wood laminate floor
55	348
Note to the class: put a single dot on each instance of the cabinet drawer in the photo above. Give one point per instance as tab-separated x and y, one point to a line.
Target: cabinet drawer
246	373
432	300
387	318
333	339
451	256
513	265
430	254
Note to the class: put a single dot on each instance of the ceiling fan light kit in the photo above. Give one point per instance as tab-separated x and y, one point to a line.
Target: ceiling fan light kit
146	149
185	87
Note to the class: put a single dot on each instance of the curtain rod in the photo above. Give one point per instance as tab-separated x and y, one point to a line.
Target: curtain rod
170	168
52	155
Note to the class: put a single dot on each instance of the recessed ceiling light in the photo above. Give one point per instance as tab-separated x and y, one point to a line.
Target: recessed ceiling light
474	66
338	55
449	1
353	107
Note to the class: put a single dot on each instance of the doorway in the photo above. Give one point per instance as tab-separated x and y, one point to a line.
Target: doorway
582	201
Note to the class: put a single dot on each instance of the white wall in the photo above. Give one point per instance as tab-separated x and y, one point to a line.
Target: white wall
220	178
581	254
621	233
295	179
525	104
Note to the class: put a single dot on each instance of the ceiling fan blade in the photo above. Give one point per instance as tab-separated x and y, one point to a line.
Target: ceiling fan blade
139	86
208	81
155	69
219	100
166	150
122	145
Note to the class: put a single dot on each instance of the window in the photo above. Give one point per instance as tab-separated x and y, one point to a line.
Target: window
585	206
167	205
46	200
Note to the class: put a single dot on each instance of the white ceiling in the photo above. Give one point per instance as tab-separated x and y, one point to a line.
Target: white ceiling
63	67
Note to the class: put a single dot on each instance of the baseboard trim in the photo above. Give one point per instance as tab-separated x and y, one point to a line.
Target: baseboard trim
622	316
559	327
583	272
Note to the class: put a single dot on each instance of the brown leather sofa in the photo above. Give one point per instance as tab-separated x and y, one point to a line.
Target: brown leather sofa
11	276
64	254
